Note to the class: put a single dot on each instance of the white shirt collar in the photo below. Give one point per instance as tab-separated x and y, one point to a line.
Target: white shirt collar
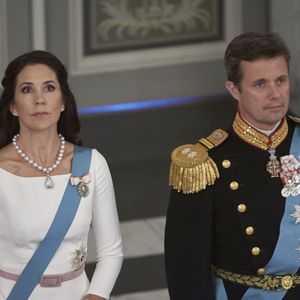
265	132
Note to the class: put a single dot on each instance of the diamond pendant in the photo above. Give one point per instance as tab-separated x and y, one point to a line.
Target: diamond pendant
83	190
49	183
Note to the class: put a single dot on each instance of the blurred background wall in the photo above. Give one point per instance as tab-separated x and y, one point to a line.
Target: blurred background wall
139	101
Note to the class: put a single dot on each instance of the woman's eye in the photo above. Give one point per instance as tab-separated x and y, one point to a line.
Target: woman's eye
26	89
50	88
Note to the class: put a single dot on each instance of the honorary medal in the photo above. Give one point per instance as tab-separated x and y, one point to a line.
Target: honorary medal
273	165
290	175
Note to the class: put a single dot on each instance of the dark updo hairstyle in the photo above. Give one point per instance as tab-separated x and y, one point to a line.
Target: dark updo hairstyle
68	123
250	46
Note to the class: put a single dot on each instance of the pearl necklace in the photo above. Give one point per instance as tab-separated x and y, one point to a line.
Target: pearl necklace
49	181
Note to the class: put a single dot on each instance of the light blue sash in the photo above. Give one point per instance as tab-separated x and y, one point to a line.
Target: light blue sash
220	292
62	221
285	259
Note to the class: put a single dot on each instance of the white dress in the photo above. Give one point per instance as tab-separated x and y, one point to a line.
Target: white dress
27	209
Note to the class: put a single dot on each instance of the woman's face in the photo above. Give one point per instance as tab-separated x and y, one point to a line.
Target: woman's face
38	99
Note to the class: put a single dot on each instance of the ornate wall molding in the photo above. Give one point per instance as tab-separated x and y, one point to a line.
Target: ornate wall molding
3	37
84	64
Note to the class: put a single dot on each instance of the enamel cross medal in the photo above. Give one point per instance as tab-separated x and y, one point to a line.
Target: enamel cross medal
273	165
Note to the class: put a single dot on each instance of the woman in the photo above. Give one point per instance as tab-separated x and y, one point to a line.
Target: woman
39	151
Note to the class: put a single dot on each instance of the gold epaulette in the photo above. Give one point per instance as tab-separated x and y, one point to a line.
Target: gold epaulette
294	118
191	168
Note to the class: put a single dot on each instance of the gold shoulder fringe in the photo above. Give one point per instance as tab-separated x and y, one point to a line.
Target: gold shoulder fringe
192	170
294	118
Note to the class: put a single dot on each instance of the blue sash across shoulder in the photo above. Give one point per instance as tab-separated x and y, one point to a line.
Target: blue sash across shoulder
61	223
285	259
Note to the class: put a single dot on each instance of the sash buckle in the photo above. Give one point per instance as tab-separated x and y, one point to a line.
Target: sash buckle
50	281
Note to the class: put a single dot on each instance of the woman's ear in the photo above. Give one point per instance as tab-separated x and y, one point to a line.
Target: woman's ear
13	110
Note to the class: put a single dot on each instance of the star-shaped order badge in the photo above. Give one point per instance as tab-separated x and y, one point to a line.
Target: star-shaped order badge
296	214
79	257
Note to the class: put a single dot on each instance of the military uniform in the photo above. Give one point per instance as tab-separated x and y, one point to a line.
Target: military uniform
226	211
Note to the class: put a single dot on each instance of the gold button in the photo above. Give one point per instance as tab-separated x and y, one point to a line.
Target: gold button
242	208
261	271
249	230
226	163
255	251
234	185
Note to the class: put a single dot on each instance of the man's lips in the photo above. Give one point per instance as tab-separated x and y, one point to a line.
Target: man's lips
279	106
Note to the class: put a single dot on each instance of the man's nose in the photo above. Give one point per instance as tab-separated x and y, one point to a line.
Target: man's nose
274	91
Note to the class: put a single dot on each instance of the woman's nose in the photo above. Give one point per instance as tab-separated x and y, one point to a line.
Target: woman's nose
39	98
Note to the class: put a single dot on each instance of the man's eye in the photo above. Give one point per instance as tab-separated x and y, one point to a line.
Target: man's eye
281	80
259	84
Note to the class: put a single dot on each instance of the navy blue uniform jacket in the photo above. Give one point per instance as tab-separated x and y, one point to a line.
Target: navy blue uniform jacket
206	228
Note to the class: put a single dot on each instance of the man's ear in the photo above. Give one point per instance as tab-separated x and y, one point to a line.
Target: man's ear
233	90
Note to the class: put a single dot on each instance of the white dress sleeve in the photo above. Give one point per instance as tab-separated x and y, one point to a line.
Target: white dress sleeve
106	230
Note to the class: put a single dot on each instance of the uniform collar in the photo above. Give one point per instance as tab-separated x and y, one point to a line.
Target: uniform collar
265	132
258	138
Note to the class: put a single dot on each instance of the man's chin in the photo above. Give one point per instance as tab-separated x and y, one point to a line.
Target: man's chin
276	116
274	121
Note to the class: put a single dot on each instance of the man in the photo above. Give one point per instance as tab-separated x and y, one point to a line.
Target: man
233	223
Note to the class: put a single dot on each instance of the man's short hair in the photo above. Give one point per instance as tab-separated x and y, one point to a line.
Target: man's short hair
251	46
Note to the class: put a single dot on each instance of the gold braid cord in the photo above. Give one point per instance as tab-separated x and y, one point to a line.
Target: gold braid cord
265	282
192	170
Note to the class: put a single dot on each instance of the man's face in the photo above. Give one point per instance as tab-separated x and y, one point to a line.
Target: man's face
263	93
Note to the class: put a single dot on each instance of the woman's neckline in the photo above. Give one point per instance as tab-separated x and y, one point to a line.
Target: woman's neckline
19	176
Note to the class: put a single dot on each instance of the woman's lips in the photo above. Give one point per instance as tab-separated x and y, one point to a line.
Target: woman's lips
40	114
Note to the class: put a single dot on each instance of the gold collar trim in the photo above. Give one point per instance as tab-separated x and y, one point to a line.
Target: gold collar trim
256	138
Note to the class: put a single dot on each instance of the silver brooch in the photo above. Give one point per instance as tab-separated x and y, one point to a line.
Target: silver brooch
82	184
79	257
